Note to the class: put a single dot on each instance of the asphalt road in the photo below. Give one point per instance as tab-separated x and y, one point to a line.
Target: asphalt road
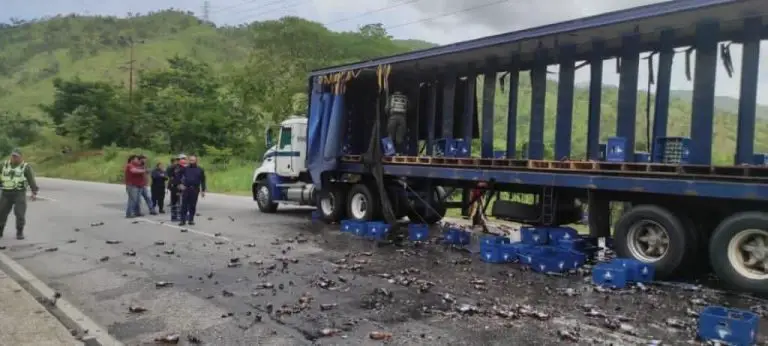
297	282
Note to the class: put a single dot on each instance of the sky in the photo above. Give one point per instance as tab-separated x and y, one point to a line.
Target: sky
438	21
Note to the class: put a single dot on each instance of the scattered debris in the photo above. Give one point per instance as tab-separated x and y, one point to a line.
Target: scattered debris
93	224
113	242
380	336
194	340
52	249
130	253
159	243
169	252
170	339
136	309
104	259
71	241
163	284
183	230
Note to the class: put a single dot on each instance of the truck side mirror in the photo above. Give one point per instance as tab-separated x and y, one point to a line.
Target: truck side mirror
268	137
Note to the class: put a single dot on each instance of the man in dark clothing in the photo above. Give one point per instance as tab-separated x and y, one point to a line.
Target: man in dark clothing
15	176
192	185
173	186
159	178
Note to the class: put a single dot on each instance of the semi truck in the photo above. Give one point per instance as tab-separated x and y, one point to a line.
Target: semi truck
392	137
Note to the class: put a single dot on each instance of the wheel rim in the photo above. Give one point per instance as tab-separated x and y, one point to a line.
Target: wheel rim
262	196
327	203
648	241
748	253
358	206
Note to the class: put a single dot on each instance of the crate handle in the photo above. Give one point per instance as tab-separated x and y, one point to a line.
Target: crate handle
735	315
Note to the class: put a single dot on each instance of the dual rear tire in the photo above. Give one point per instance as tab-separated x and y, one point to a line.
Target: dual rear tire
360	202
737	250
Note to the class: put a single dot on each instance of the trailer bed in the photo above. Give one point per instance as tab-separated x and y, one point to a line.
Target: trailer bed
597	177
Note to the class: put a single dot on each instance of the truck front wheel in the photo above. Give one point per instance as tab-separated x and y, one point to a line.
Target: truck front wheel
738	251
264	199
653	235
331	203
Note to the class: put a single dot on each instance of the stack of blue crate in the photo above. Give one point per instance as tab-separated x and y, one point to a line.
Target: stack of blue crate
721	325
373	230
418	232
545	249
451	147
620	272
456	236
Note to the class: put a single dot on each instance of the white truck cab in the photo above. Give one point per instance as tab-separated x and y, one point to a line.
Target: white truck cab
282	176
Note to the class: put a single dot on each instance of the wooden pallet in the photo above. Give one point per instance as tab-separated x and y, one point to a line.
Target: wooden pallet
595	167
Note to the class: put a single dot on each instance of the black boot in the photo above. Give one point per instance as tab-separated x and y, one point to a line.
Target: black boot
20	234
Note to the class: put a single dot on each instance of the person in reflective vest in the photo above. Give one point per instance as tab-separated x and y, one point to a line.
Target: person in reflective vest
15	176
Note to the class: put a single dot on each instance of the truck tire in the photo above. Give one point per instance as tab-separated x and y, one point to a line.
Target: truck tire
263	196
652	234
739	239
331	202
418	212
362	204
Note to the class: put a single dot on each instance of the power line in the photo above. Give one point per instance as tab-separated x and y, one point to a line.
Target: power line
467	9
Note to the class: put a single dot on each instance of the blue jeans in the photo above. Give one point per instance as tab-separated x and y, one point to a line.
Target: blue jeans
134	192
144	194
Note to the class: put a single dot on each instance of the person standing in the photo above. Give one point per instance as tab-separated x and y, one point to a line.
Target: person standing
144	191
173	186
134	182
159	177
16	175
192	185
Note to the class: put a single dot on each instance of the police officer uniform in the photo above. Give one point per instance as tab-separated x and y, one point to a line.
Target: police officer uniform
15	176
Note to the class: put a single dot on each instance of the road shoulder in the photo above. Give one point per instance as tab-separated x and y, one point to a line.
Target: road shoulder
25	321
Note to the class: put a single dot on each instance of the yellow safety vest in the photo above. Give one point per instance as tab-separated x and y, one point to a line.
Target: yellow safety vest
13	178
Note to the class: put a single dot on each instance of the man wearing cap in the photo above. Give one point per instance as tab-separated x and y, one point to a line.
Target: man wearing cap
15	176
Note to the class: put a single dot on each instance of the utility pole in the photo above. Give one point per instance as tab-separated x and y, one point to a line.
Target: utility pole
131	44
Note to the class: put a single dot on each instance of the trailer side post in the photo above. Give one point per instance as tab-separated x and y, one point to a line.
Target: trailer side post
469	106
595	100
431	115
703	101
663	82
564	122
538	97
449	93
626	115
750	69
489	94
513	86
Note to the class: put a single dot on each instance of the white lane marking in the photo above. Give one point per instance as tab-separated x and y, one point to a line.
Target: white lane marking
187	228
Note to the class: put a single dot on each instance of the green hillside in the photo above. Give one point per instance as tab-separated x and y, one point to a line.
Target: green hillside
199	88
723	103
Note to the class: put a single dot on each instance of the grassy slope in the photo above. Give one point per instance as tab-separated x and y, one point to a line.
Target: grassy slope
30	86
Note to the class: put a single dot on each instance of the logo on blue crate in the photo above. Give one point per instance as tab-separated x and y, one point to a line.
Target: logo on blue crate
608	276
723	331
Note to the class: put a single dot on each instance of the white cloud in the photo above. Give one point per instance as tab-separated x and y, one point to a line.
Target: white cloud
420	19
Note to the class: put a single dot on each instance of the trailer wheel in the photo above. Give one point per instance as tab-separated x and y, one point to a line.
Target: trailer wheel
331	203
362	204
738	251
264	198
654	235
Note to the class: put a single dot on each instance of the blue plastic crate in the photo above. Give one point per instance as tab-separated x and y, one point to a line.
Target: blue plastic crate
528	253
729	326
456	236
493	240
676	150
463	148
760	159
508	252
499	154
608	274
491	254
387	146
376	230
615	149
637	271
557	234
352	226
534	235
572	244
641	156
445	147
418	232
